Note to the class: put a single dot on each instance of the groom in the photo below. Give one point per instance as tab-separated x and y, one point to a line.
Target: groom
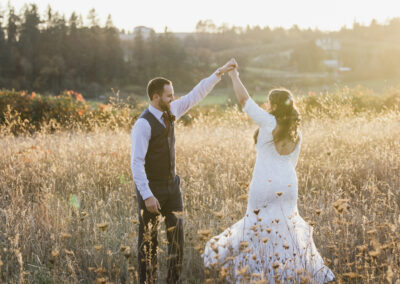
153	169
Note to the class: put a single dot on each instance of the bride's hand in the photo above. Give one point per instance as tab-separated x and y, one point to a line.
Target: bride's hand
233	73
229	66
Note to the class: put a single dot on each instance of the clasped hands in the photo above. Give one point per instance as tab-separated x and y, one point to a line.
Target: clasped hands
229	67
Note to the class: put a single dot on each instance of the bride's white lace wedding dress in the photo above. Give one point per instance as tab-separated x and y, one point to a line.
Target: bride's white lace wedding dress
272	241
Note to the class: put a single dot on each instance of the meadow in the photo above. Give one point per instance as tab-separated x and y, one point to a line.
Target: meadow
68	209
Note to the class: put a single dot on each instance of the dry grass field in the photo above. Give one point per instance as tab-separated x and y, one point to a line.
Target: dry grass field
68	209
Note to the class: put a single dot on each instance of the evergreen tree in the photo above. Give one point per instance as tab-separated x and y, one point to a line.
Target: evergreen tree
52	54
29	45
3	51
11	66
13	20
113	57
138	63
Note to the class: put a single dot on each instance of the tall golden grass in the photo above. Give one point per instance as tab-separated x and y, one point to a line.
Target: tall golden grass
68	209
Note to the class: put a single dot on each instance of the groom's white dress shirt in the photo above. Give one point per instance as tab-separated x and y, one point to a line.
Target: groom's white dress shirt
141	131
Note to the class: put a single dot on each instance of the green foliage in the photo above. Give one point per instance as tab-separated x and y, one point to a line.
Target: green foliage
307	57
348	102
22	112
68	110
37	108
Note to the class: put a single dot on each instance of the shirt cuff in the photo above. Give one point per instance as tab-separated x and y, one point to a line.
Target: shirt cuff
214	78
146	193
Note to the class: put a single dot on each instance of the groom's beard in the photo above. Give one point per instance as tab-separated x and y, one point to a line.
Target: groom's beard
163	106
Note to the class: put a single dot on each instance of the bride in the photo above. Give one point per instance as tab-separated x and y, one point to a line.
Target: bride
272	241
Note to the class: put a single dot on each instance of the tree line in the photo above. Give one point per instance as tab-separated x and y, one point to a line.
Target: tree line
50	53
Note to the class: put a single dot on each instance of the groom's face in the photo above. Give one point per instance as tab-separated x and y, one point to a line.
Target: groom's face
166	98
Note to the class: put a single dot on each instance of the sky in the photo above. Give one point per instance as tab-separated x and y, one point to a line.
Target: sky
182	15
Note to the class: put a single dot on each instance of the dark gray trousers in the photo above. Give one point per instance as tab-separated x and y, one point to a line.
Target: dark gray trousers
169	196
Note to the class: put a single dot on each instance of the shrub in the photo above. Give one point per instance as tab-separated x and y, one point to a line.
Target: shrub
67	111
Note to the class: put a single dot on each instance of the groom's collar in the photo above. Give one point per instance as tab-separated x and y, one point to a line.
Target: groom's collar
157	113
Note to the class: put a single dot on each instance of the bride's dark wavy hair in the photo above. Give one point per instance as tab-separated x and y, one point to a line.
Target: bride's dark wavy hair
286	114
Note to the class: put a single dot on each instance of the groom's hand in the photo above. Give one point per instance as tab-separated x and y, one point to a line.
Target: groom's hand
152	205
230	65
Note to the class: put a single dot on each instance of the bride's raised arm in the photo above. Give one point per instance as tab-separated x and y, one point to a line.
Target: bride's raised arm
256	113
240	90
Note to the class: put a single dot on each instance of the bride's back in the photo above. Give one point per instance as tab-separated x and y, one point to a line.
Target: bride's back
266	144
285	146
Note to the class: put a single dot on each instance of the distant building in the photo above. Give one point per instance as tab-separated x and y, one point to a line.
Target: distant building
145	31
331	63
328	44
331	47
183	35
344	69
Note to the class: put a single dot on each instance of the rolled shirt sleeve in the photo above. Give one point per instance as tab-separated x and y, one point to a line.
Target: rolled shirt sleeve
199	92
140	136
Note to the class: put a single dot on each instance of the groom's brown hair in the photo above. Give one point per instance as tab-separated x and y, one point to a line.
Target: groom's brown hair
156	86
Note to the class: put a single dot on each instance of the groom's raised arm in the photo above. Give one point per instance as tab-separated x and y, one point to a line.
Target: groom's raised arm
202	89
198	93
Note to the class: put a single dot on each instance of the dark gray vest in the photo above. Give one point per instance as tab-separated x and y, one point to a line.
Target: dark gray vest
160	158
